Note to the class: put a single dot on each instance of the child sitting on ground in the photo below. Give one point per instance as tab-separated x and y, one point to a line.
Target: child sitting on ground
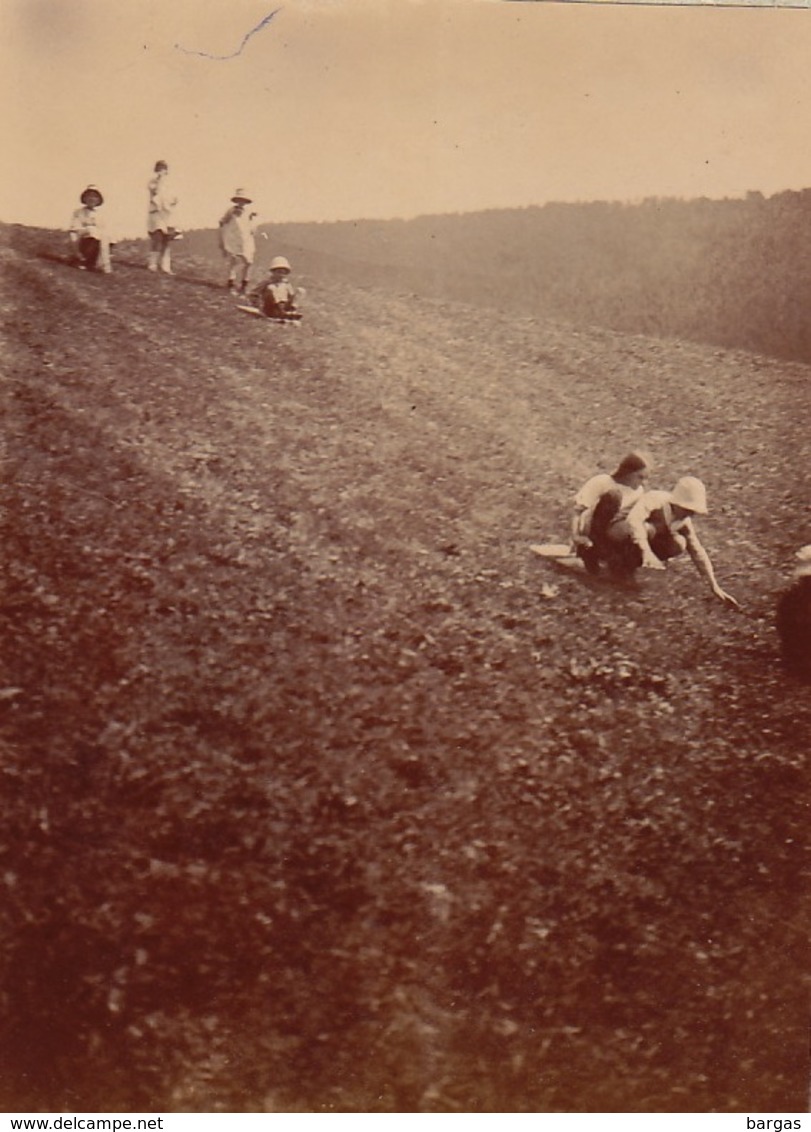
89	241
277	296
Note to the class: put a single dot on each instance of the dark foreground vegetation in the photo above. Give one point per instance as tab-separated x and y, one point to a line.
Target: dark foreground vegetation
318	792
735	273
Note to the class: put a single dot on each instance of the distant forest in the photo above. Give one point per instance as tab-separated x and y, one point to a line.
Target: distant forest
736	273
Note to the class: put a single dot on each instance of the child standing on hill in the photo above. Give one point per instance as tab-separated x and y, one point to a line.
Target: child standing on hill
277	296
160	223
238	241
89	241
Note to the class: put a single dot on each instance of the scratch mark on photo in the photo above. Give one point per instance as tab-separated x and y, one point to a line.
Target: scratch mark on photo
220	58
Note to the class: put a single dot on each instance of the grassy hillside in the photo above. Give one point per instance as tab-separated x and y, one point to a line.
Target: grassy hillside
319	792
733	272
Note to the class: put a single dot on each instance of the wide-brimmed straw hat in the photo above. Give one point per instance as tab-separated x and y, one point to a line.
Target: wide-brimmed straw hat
91	190
241	197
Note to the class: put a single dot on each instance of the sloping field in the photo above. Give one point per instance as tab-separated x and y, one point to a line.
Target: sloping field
319	793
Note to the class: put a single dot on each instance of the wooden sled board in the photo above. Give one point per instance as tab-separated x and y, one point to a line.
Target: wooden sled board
553	550
560	557
255	311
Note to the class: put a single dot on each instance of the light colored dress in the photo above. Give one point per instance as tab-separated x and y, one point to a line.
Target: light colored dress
238	234
162	203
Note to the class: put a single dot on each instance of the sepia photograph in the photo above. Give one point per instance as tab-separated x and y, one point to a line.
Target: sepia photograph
406	554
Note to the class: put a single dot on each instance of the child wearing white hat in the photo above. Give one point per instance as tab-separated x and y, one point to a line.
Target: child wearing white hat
277	297
659	527
89	241
238	241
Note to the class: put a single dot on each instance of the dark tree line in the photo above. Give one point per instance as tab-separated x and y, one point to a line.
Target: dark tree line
734	272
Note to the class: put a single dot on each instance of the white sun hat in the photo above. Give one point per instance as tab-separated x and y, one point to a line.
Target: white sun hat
690	494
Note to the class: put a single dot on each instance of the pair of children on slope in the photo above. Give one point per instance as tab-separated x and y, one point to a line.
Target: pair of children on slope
90	241
276	296
619	524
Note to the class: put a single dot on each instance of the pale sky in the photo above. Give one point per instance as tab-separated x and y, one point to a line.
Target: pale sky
342	109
